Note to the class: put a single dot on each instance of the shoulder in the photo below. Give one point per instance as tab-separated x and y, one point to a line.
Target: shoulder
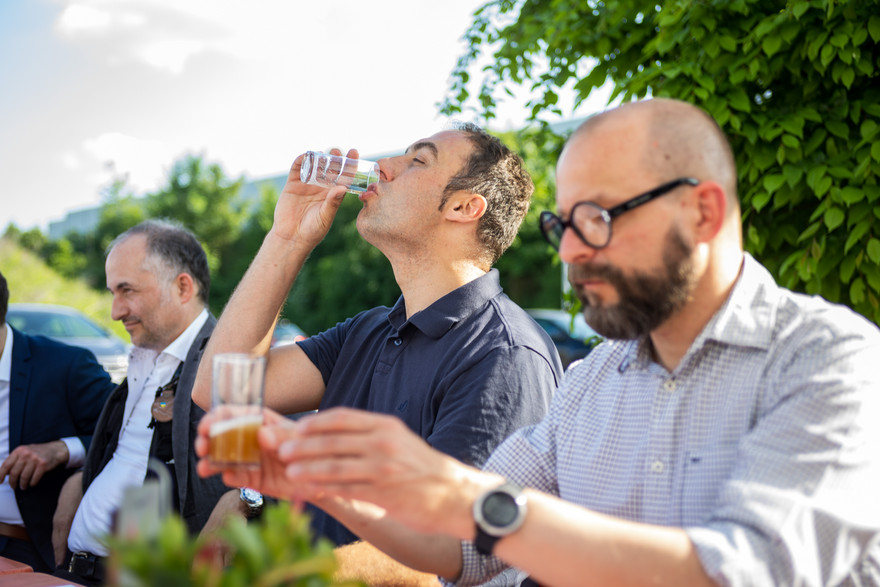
42	346
810	323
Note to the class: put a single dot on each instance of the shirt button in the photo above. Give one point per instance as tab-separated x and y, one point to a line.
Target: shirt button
657	466
397	342
669	385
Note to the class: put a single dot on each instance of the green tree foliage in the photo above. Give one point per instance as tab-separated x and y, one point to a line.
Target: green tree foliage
793	83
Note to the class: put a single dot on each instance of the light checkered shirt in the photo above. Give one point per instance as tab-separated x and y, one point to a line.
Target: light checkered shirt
764	443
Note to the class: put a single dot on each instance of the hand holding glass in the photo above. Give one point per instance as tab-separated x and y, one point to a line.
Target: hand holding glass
237	410
328	170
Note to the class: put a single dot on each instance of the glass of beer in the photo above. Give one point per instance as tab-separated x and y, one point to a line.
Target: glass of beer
328	170
237	410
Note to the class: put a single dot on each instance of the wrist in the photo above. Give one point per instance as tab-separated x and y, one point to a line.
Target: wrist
469	486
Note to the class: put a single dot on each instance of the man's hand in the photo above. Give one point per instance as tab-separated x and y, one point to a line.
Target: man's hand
356	455
68	502
270	478
27	464
305	212
229	505
361	561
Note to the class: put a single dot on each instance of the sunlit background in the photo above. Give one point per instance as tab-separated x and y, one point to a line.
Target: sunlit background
92	90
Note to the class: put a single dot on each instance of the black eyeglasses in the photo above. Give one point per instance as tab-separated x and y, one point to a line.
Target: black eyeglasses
592	223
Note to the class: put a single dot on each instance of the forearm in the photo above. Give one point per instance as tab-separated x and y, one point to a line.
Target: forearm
564	544
434	554
363	562
248	319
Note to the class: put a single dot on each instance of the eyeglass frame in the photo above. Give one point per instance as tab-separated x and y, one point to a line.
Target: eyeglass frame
608	215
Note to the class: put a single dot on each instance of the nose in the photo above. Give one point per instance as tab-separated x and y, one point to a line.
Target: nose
117	309
388	168
572	249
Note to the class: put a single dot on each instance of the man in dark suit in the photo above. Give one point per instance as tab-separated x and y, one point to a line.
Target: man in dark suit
158	275
50	397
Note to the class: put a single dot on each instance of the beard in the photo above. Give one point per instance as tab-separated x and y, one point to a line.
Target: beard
645	300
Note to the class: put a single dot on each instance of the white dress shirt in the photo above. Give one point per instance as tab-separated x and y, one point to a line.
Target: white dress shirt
147	372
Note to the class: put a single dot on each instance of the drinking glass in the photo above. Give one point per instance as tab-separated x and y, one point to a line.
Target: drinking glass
237	410
328	170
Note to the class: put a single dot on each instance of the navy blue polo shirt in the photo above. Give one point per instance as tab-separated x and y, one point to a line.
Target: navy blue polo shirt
464	373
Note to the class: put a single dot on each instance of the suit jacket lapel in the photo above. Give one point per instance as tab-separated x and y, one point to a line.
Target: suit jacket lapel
20	378
180	424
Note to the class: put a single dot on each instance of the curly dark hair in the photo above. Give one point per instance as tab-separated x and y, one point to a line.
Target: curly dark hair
496	173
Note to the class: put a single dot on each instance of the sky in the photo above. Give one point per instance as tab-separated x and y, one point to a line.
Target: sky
91	90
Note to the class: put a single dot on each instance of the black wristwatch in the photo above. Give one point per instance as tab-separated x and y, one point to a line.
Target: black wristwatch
253	499
498	513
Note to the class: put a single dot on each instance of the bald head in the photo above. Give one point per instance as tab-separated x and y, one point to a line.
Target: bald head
674	139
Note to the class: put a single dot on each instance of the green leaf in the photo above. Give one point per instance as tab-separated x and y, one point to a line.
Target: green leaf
847	268
760	200
834	217
773	182
874	28
740	100
727	43
875	151
857	291
837	128
826	55
800	8
793	174
851	195
873	250
856	234
839	40
771	45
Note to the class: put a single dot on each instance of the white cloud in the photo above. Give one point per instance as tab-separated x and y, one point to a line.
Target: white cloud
169	54
143	160
70	160
78	18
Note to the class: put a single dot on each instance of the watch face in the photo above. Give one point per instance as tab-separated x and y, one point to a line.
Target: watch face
251	496
500	509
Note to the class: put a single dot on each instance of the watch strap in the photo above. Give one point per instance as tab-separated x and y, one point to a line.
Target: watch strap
487	536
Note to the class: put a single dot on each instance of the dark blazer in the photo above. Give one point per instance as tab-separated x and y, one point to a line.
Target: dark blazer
196	496
55	391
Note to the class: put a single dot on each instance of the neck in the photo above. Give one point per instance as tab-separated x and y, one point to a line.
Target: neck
422	282
672	339
3	332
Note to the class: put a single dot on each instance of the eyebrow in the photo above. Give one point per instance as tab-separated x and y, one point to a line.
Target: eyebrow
424	145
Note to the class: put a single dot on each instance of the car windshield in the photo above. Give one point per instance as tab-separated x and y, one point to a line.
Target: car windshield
55	325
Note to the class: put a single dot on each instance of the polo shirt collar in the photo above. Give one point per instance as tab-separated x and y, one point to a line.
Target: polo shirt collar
438	318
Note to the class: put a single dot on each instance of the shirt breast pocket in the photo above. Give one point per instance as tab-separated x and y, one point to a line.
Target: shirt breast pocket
706	469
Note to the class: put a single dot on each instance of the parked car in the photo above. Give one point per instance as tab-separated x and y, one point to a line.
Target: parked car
72	327
574	339
287	333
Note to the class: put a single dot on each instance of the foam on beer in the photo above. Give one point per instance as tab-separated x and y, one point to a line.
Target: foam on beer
221	426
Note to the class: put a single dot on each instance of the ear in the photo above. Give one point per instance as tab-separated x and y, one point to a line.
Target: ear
465	207
710	208
185	286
